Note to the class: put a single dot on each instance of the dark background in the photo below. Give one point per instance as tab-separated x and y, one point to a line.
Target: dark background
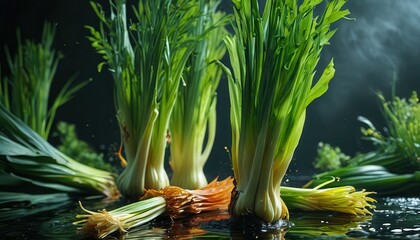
383	40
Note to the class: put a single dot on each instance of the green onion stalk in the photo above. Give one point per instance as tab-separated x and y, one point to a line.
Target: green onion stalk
146	59
102	223
343	199
27	156
371	177
273	58
18	205
26	92
194	113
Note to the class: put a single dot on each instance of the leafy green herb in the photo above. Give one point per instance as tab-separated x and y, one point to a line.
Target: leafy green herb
393	167
78	149
329	158
399	150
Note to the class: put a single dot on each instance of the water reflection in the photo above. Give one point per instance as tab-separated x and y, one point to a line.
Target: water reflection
394	218
324	225
217	225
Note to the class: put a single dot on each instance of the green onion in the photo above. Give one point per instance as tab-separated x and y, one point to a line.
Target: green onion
194	113
175	201
32	72
273	58
26	155
344	199
146	59
371	177
103	223
17	205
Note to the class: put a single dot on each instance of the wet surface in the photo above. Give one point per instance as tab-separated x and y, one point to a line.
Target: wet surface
394	218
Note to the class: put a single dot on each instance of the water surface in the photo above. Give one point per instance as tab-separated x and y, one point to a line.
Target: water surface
394	218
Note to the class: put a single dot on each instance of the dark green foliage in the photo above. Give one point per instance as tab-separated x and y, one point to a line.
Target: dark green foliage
394	166
26	92
78	149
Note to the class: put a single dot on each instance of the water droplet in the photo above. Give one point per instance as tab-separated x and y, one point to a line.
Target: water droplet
357	233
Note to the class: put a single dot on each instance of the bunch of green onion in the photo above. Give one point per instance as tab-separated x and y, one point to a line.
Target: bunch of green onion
27	156
343	199
194	113
147	59
273	58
